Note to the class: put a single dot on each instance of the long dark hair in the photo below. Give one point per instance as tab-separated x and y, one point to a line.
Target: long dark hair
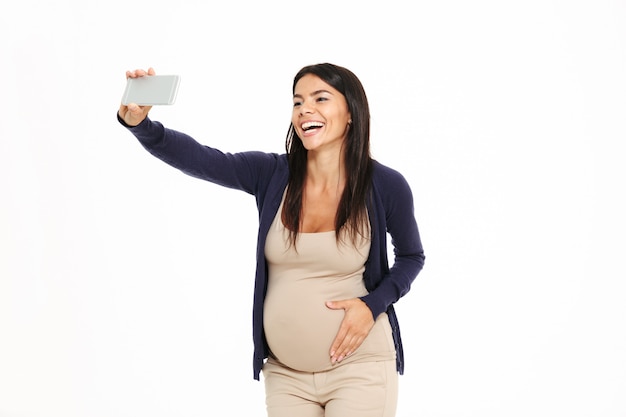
352	211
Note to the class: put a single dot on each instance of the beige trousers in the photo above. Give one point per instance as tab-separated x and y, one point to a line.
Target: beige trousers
361	389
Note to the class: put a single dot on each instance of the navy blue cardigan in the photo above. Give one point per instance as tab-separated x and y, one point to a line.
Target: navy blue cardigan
264	175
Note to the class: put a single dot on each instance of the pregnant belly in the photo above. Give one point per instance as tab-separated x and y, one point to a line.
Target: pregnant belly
301	330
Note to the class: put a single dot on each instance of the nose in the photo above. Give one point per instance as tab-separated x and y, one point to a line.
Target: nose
306	108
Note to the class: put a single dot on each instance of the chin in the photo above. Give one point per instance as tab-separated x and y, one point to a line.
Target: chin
310	143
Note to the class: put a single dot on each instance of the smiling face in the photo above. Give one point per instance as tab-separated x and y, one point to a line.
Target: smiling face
320	114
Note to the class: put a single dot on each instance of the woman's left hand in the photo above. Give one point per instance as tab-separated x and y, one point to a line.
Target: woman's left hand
356	325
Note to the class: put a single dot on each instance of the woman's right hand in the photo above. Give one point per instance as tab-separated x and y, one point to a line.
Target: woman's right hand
132	114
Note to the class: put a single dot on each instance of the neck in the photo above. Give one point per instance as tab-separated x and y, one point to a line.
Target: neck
325	172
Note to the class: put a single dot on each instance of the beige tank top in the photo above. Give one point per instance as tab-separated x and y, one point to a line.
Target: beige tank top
298	326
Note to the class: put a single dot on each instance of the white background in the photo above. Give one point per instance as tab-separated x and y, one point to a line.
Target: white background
126	286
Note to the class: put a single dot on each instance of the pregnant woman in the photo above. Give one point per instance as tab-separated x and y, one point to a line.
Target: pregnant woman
326	336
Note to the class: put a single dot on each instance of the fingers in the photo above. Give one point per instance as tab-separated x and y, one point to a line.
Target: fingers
132	114
140	73
348	346
137	113
355	327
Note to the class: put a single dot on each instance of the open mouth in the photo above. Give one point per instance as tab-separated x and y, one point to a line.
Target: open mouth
308	126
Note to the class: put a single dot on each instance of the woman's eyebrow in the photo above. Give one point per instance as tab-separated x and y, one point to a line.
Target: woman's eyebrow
313	93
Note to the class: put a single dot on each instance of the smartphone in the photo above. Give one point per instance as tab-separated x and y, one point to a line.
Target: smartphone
151	90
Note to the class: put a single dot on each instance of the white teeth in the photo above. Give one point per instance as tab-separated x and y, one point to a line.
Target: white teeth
311	125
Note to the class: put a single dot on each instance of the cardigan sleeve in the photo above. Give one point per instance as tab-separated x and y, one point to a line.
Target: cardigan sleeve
394	215
240	171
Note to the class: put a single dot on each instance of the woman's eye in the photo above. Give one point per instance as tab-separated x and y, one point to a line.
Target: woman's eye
296	103
322	99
